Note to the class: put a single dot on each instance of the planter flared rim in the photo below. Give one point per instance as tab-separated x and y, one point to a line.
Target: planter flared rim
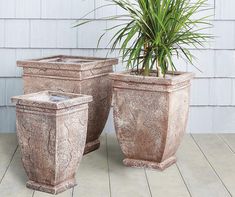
177	77
37	100
87	63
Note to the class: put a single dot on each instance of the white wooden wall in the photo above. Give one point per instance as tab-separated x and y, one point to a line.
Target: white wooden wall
35	28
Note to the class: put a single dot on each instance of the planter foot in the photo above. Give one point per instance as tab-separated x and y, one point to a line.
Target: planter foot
56	189
149	164
92	146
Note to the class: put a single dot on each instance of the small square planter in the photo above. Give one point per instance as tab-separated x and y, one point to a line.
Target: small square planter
51	130
80	75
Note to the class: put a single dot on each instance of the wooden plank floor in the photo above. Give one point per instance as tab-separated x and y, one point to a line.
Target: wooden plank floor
205	168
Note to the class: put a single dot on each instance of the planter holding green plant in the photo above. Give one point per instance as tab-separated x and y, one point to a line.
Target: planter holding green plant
151	98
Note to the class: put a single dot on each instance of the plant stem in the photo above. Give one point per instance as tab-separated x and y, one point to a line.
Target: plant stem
145	68
159	70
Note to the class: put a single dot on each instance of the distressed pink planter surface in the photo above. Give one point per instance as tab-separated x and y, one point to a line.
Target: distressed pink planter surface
51	130
150	116
81	75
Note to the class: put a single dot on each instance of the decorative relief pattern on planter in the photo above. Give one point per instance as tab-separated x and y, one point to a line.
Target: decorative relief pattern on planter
81	75
150	116
51	130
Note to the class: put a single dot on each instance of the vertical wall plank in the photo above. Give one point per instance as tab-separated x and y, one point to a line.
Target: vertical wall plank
14	87
56	9
7	63
2	33
66	35
221	92
7	119
81	8
223	119
17	33
43	33
28	9
2	91
7	9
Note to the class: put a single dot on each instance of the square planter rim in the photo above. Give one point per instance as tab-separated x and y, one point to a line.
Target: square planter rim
72	100
176	78
92	63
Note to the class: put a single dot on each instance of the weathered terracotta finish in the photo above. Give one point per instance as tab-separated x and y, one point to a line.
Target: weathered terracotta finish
150	116
81	75
51	130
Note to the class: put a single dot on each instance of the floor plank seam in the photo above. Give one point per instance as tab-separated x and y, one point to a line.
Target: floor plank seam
9	164
107	157
211	165
148	182
226	143
182	177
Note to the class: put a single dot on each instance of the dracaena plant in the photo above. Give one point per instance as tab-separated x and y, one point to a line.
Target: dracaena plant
156	31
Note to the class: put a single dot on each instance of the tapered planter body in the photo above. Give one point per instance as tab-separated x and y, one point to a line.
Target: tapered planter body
81	75
150	116
51	130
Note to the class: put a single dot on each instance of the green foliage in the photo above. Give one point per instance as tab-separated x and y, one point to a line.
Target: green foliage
156	30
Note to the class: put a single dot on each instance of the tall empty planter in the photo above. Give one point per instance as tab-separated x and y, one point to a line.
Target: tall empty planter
51	130
80	75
